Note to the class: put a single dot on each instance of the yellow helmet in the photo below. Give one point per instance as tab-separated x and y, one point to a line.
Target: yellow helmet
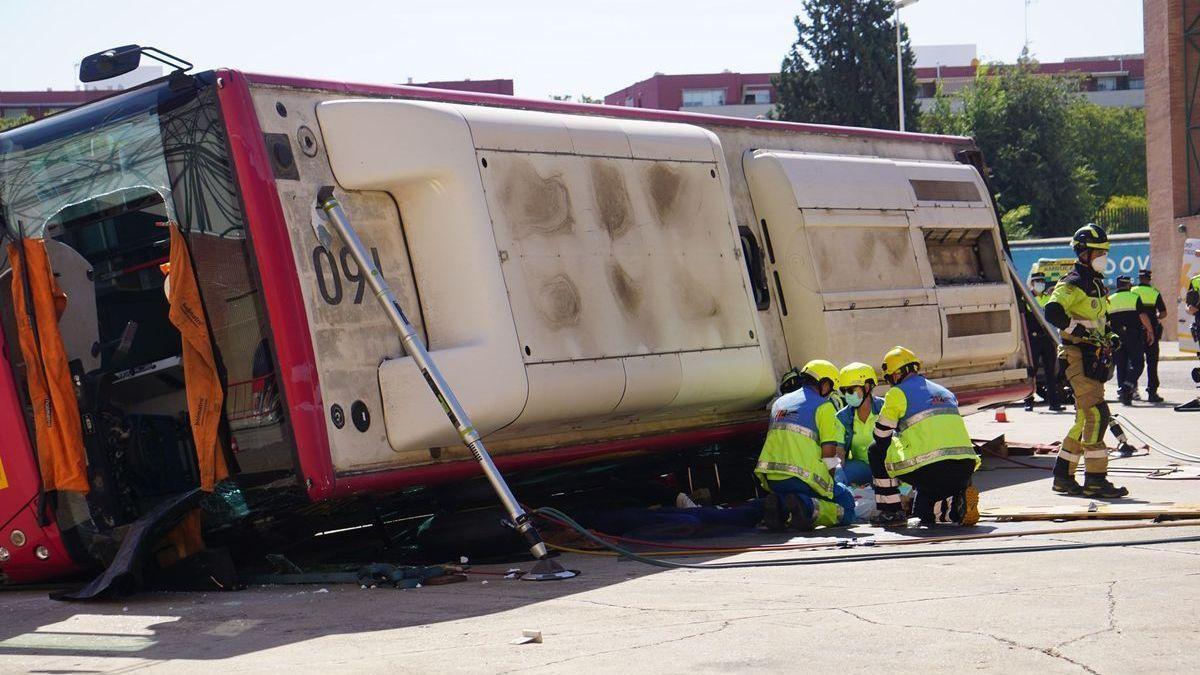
820	369
897	358
857	375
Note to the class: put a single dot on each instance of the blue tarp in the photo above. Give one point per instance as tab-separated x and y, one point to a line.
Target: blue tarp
1127	256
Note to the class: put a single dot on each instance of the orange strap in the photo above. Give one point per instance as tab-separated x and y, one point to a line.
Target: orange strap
56	412
204	393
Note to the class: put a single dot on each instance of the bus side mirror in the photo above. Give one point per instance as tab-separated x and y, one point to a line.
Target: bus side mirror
110	63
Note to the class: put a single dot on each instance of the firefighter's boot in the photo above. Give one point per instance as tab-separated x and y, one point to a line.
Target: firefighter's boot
1067	485
774	516
1097	485
801	520
890	518
969	499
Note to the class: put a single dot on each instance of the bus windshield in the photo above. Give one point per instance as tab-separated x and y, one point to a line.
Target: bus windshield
101	188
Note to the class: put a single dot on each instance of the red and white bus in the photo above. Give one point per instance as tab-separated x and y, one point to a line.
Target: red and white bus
592	280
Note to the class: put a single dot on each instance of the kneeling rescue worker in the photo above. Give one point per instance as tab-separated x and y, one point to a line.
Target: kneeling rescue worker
803	442
933	451
1078	307
857	382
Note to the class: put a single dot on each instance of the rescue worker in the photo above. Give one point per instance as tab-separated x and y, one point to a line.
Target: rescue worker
1192	301
1078	307
857	383
1037	287
1045	352
791	382
1155	310
1127	318
932	452
802	444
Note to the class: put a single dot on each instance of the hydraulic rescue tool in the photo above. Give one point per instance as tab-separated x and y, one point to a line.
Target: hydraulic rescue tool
546	568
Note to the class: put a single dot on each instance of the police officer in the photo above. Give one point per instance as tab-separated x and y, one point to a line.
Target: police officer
1192	300
934	453
803	443
1127	317
1155	310
857	382
1045	352
1078	307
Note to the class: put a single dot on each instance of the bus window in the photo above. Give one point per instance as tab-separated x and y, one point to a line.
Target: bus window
754	265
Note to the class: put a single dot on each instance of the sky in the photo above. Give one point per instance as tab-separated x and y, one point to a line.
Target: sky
547	47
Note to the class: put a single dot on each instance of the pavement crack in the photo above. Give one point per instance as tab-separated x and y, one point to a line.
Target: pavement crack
1048	651
1164	550
1112	618
711	631
678	610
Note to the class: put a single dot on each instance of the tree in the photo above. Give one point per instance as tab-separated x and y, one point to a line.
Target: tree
1022	123
842	67
1124	213
1013	222
1112	143
9	122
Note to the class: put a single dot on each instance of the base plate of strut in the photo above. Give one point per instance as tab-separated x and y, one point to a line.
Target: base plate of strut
548	569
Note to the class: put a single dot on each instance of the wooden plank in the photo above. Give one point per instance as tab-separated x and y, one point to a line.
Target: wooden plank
996	446
1094	511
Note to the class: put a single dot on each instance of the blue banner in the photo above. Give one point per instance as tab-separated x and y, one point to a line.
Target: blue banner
1128	255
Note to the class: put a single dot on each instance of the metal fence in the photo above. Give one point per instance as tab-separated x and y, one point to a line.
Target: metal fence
1122	219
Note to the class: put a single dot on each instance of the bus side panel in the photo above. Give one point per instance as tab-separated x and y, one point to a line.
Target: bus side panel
19	486
869	249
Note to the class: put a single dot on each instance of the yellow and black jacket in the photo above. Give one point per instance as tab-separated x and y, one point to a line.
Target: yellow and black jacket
1078	307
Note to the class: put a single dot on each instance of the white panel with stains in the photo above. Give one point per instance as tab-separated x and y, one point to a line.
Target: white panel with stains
855	270
613	257
350	336
573	272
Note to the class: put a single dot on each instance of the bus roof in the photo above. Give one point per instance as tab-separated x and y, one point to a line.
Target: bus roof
454	96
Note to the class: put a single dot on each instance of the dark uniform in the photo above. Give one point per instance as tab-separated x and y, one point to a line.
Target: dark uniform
1125	310
1192	299
1154	309
1045	350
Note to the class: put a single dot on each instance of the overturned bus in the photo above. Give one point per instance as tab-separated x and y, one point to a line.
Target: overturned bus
593	281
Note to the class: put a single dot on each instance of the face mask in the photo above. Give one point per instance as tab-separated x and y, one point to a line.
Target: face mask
853	399
1039	286
1100	263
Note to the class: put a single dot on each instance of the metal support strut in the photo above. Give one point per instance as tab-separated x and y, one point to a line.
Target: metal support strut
437	384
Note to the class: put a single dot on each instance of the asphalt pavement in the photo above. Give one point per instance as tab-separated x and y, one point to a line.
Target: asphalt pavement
1132	608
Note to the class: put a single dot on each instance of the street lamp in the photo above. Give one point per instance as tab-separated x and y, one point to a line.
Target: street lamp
897	5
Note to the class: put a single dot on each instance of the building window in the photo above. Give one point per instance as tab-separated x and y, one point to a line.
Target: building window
698	97
756	95
1137	83
927	90
628	101
1106	84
